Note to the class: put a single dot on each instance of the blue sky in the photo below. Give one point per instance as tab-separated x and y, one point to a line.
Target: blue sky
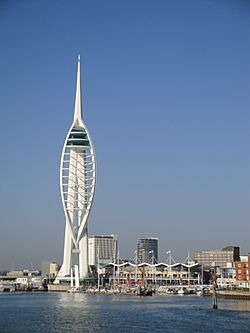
166	99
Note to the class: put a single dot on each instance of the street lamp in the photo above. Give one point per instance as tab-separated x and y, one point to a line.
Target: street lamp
170	267
152	256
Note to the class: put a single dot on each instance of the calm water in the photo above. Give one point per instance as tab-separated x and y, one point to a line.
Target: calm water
63	312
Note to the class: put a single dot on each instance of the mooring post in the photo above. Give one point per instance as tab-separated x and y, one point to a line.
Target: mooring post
214	286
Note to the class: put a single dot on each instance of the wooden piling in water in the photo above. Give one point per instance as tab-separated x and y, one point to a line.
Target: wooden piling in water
214	295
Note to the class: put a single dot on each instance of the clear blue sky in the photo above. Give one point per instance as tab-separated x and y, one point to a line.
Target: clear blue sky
166	99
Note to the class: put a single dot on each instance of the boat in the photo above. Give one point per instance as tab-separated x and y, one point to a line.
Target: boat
7	287
206	291
144	292
182	291
73	290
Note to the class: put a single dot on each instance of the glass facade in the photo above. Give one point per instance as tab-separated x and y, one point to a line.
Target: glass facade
147	250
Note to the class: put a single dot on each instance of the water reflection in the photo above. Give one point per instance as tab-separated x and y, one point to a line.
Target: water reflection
238	305
72	300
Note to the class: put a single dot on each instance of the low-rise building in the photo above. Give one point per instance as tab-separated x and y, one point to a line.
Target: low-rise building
25	279
14	273
176	274
226	277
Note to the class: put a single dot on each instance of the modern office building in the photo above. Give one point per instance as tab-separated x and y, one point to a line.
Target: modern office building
102	250
147	250
77	185
219	258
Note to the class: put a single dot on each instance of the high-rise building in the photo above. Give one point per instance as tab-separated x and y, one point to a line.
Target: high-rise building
77	184
147	250
102	250
218	258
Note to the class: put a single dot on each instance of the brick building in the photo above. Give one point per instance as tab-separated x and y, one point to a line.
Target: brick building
242	270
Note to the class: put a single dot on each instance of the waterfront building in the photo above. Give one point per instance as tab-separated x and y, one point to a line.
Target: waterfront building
28	282
218	258
147	250
23	279
24	272
77	185
242	269
177	274
226	276
102	250
14	273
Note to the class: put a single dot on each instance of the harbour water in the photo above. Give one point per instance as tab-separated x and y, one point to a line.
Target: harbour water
63	312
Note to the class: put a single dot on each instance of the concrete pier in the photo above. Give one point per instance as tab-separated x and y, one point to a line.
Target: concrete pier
58	287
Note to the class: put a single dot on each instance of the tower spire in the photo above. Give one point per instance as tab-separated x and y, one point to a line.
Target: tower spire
78	100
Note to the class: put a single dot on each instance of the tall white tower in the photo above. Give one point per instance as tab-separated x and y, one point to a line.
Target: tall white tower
77	185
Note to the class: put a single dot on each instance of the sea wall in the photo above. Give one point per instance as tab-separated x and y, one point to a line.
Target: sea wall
234	294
